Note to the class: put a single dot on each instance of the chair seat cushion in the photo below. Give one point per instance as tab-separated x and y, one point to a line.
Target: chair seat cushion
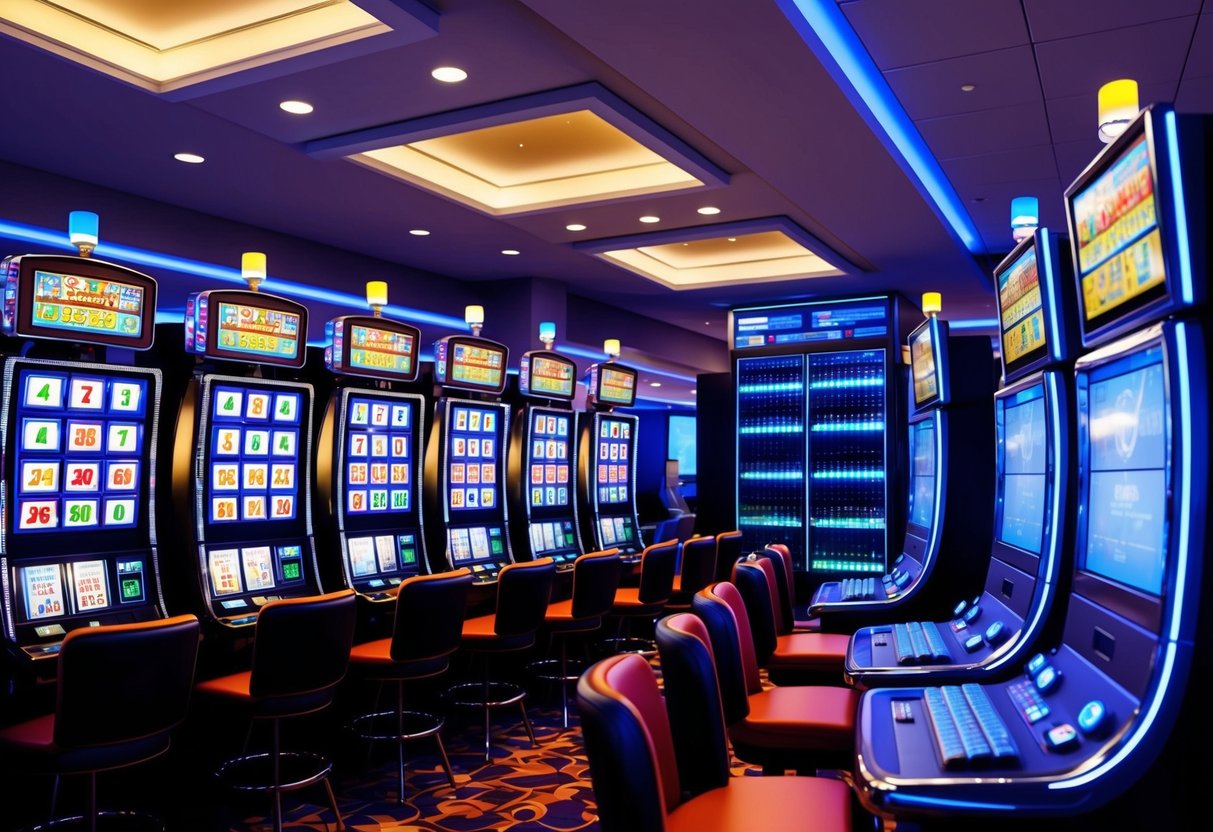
31	746
810	651
234	689
808	718
771	804
374	660
378	652
627	602
480	634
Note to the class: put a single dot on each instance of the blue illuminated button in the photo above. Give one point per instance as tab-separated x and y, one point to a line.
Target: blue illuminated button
972	643
900	558
902	580
971	614
1047	679
976	600
1093	718
996	633
1061	737
1035	664
959	608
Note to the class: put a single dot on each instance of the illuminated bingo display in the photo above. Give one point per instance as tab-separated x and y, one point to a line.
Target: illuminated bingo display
476	365
258	332
1019	303
88	304
1119	243
374	347
240	325
473	456
550	466
616	386
612	462
253	459
549	376
378	466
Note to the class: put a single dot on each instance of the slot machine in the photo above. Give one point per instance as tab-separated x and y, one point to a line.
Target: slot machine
465	458
1029	561
78	437
242	455
542	453
368	453
1085	718
606	462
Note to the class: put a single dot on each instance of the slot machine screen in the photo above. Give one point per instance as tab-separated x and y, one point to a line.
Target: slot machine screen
379	464
1021	312
616	385
550	467
375	347
922	473
547	374
1127	445
238	325
474	478
613	463
928	363
470	364
1023	467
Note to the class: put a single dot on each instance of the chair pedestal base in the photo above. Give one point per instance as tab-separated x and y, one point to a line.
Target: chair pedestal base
490	694
290	771
628	644
105	821
401	727
563	670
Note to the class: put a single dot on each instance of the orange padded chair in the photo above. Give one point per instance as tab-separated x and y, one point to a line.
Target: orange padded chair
636	778
121	690
426	630
301	650
696	569
646	601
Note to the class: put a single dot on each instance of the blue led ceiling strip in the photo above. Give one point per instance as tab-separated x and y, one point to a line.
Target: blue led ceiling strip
824	27
57	239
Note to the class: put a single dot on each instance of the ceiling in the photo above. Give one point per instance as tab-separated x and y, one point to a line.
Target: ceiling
734	81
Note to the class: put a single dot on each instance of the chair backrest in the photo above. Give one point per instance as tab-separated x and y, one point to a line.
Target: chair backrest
657	572
785	582
666	529
523	592
124	682
302	646
754	581
698	563
629	745
596	576
723	612
728	550
692	698
685	526
671	491
429	615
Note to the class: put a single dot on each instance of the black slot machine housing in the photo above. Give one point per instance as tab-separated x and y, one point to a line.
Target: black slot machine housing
606	462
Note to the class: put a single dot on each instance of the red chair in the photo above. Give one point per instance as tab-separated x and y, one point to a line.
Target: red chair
636	778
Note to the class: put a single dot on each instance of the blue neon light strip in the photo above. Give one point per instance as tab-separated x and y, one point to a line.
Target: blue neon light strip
918	800
847	383
223	274
776	387
847	427
772	428
857	474
773	475
595	355
1181	214
822	22
974	323
1054	293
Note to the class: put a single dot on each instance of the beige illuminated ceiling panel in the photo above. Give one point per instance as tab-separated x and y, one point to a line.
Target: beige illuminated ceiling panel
165	45
538	152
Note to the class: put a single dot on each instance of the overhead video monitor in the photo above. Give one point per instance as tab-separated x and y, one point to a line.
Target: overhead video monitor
928	363
467	363
681	443
239	325
612	384
361	345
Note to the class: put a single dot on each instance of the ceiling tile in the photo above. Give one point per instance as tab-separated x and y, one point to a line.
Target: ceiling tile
1076	117
993	213
1200	56
987	131
1149	54
1051	20
969	173
1195	95
1001	78
906	32
1073	158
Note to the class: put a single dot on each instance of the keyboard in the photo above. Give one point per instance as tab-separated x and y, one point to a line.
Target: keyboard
968	732
919	642
858	589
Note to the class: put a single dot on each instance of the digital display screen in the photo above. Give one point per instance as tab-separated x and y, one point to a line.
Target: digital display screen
552	536
1024	465
258	331
922	473
475	543
80	450
1126	528
550	464
474	457
546	375
43	588
1020	308
1117	235
88	304
613	461
616	385
253	465
923	364
812	323
240	325
477	365
378	467
382	350
681	443
617	531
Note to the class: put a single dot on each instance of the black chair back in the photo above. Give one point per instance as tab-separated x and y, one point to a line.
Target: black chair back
657	572
596	576
752	581
429	616
722	627
698	563
523	592
785	618
728	550
302	646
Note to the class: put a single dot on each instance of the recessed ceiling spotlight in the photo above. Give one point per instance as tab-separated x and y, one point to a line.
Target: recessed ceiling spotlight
708	210
449	74
419	232
654	384
574	226
650	218
694	392
189	158
732	239
967	87
296	108
510	251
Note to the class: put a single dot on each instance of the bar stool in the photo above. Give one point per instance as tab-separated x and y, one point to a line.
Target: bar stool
646	601
728	550
696	569
425	632
787	589
596	578
301	650
121	690
523	592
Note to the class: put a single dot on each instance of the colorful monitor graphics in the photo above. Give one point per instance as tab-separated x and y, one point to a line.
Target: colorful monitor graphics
927	345
238	325
79	587
474	457
475	543
1020	308
616	385
552	536
82	453
78	299
379	559
378	469
922	472
613	461
1023	466
548	375
470	363
550	465
1126	497
617	531
809	323
262	567
254	463
376	347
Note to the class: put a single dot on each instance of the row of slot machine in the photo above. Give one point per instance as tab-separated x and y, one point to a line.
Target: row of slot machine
1061	664
271	494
